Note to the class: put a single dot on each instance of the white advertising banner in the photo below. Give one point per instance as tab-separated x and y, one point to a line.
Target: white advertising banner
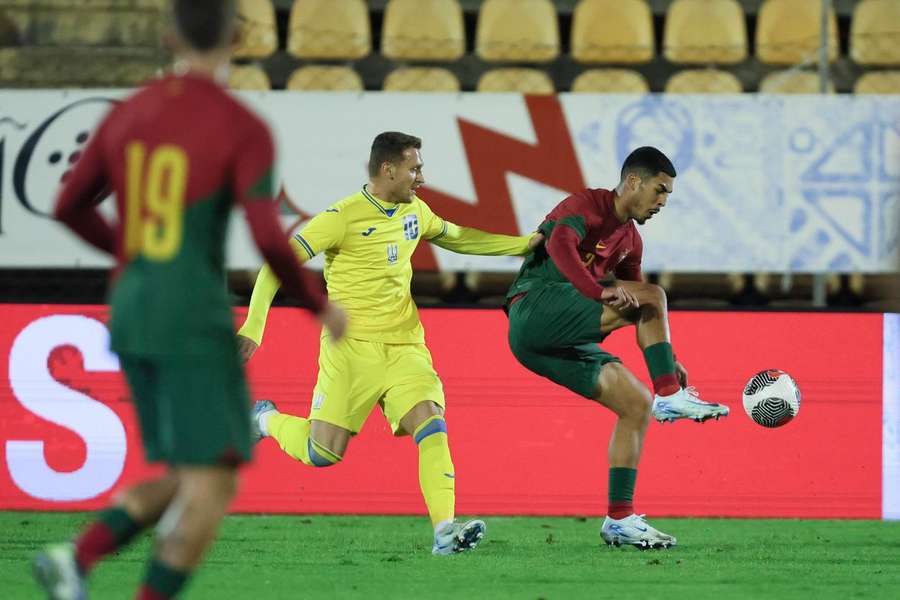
765	183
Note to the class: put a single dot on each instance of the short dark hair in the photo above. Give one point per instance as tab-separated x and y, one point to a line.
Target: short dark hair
647	162
204	24
389	147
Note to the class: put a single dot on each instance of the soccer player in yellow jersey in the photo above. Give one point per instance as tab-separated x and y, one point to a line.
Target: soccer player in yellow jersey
368	240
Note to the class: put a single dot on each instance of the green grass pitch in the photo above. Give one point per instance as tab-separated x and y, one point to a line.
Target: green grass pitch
262	557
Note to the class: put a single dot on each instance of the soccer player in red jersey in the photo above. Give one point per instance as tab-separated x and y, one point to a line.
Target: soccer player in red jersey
178	155
581	285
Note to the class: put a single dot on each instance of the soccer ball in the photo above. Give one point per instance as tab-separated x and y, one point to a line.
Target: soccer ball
771	398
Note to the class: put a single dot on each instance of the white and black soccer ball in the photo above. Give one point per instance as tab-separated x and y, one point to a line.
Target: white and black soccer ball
771	398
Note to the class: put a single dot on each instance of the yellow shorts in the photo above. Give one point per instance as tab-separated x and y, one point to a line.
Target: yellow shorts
355	375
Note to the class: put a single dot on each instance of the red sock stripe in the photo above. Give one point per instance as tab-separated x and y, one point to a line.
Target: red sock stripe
665	385
148	593
620	510
94	544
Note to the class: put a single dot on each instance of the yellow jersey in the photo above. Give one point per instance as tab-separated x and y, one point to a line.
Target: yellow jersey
368	245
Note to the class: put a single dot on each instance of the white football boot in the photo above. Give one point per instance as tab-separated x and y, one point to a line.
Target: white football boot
686	404
57	572
633	530
453	537
260	408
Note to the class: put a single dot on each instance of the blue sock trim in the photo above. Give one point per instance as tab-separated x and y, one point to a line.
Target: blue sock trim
436	426
315	458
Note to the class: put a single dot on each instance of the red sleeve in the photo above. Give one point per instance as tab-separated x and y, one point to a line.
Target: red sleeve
563	249
76	205
630	268
254	190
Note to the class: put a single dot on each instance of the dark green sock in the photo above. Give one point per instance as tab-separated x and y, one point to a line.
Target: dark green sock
120	522
621	492
164	580
621	484
660	359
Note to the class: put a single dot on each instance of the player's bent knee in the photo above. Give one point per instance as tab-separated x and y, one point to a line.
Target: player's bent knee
320	456
653	294
660	294
432	426
420	414
620	390
642	402
636	403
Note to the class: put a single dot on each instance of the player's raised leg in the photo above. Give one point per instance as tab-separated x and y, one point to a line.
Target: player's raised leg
312	442
671	401
340	404
437	478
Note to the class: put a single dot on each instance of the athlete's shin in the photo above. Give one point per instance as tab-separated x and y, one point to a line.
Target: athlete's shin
137	508
113	529
661	364
652	318
436	474
187	528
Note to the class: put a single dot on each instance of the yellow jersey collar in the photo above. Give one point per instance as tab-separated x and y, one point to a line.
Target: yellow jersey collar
386	211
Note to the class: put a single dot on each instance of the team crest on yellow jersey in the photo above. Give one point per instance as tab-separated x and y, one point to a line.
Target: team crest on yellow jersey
411	227
393	254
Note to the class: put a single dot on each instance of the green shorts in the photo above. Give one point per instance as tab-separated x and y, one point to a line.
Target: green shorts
192	411
554	332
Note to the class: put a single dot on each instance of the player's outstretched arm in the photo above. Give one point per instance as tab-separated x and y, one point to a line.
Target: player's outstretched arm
468	240
251	332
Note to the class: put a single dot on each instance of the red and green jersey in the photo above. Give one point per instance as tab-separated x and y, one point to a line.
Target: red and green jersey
585	243
178	154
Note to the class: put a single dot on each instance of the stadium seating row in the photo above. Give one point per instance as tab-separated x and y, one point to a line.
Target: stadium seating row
427	40
696	32
537	81
603	31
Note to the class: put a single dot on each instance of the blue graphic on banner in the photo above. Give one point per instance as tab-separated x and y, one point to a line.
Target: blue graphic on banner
764	182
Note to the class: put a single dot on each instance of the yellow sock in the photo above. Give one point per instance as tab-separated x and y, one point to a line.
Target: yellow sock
292	434
436	475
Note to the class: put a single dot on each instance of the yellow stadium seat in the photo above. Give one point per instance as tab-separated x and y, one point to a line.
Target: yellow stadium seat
705	32
612	31
524	81
421	79
788	32
878	82
257	37
325	78
792	82
611	81
423	30
329	29
875	32
703	81
249	77
517	30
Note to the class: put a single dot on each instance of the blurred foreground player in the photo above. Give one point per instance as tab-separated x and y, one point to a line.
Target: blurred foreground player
178	155
559	311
